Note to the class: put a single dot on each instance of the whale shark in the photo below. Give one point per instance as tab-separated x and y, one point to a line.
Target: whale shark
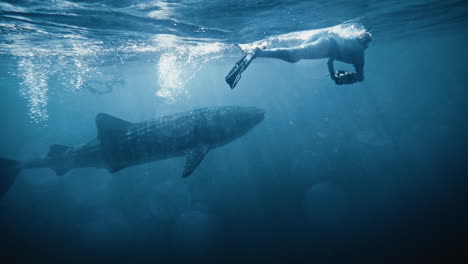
120	144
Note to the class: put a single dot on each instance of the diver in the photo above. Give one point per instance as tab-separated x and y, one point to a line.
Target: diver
320	46
107	85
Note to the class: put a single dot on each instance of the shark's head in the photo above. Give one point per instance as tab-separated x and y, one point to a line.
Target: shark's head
246	118
224	124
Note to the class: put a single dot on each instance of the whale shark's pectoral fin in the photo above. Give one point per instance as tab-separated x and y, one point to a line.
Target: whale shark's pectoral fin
194	157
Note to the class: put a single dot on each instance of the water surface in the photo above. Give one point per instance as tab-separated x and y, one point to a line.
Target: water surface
369	170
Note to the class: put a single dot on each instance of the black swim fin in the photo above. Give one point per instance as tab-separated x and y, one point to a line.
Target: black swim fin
234	75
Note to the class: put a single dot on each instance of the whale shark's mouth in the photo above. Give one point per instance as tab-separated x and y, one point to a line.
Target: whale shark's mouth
261	116
257	117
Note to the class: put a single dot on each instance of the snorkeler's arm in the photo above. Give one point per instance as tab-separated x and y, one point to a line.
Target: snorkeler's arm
331	69
359	71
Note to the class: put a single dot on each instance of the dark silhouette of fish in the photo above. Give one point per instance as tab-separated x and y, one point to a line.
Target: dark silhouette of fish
121	144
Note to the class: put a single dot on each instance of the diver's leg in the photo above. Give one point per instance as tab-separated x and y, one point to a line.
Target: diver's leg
286	54
315	50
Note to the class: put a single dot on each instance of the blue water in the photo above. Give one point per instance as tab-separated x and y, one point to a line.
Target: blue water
374	171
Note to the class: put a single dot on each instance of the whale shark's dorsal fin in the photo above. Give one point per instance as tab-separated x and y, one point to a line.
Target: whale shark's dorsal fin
194	157
109	126
110	129
60	172
56	150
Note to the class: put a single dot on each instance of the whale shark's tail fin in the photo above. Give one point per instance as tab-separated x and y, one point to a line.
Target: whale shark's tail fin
9	169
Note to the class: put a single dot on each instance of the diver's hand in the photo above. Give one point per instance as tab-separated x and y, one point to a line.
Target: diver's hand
342	77
336	76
